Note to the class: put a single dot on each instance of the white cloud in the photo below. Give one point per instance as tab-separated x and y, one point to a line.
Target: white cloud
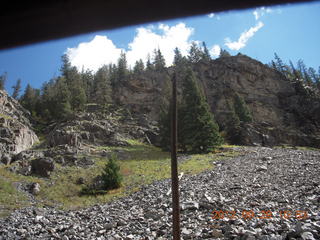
259	12
211	15
146	40
102	50
244	37
93	54
215	50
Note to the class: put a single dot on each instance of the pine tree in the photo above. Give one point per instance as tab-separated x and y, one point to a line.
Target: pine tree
62	99
111	174
295	73
149	65
224	53
138	67
233	127
3	79
195	53
178	58
102	86
242	109
205	55
122	68
313	75
16	89
165	127
29	99
159	61
199	131
280	66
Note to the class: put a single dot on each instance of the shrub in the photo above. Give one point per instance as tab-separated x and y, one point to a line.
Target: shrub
111	174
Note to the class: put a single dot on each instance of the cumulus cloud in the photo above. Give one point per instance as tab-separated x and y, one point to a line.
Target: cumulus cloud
244	37
215	50
101	50
146	40
94	54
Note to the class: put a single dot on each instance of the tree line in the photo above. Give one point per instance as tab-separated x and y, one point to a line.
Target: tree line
61	96
297	72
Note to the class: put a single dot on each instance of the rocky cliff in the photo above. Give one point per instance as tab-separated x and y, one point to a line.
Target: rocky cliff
16	133
284	112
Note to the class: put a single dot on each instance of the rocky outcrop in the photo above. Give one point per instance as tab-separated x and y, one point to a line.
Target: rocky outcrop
100	128
284	112
16	133
42	166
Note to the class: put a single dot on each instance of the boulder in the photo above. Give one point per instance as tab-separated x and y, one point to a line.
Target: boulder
6	159
42	166
35	188
16	133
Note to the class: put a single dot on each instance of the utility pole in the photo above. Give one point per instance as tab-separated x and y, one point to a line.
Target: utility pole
174	164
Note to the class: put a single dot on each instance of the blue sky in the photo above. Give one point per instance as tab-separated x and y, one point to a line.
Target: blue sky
292	31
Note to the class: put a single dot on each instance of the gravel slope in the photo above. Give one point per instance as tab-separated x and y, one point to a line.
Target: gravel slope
262	194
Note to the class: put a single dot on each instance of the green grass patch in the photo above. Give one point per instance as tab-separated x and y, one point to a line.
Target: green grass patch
5	116
10	197
142	165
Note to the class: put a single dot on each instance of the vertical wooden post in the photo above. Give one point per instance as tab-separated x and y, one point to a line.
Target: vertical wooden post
174	165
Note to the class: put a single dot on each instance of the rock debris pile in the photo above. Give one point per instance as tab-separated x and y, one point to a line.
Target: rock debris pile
265	194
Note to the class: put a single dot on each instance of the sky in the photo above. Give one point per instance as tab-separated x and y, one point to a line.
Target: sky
292	31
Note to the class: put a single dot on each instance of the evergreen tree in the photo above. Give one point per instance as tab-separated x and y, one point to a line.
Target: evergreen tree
79	97
3	79
159	61
178	58
122	69
224	53
62	99
313	75
242	109
195	53
29	99
66	66
111	174
279	65
102	86
304	72
180	63
165	128
149	65
199	131
87	81
138	67
233	127
205	55
295	73
16	89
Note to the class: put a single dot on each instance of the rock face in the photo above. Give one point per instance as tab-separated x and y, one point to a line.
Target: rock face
16	133
100	128
283	112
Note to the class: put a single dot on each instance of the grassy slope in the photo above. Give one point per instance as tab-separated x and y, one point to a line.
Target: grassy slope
143	165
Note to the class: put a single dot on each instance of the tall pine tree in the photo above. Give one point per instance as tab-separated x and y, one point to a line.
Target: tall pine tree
159	61
242	109
199	132
16	89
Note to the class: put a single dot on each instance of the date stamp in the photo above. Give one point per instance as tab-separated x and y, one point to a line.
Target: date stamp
263	214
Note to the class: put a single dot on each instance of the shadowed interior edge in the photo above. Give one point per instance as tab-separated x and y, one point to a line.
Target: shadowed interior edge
30	22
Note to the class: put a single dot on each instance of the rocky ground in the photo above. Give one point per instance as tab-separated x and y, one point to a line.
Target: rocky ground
262	194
